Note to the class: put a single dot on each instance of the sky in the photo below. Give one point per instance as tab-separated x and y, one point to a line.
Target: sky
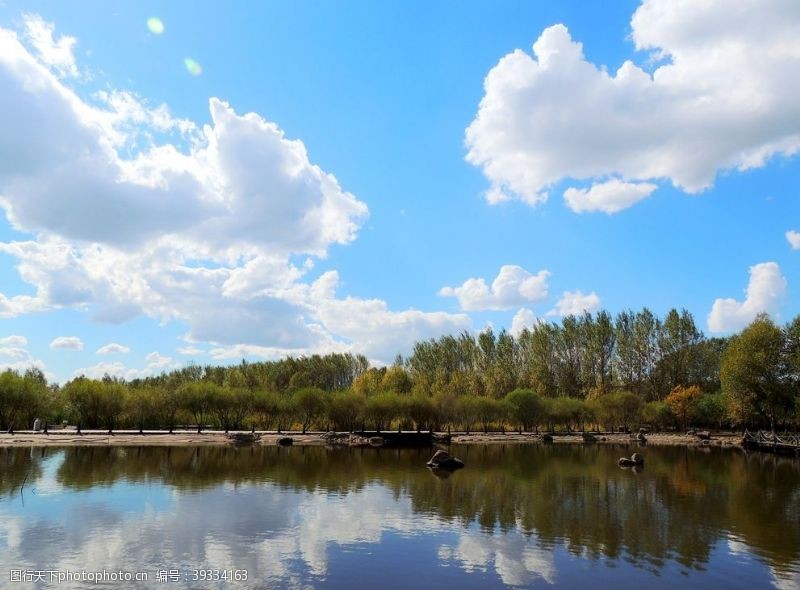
205	182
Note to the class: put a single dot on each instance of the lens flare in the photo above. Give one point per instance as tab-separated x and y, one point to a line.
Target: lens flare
156	25
192	66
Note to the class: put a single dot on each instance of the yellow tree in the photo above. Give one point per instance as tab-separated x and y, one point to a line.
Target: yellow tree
681	400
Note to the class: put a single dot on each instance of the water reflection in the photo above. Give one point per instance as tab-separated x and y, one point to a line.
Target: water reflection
296	517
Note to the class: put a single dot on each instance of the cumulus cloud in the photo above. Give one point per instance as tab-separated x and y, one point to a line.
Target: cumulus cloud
67	343
722	94
513	286
137	212
242	189
575	303
113	348
611	196
793	237
524	318
765	293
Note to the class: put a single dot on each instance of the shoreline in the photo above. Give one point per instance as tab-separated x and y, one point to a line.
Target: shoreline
70	438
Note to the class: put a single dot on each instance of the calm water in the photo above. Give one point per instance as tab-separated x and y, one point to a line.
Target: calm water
517	516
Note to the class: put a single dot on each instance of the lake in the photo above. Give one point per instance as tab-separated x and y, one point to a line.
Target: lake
534	516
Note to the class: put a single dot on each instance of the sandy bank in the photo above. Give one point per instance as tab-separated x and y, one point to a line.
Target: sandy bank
68	438
654	439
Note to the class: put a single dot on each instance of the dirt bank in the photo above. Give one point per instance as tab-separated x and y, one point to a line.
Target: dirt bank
66	438
654	439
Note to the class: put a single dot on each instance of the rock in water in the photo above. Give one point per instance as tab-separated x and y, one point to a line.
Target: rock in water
376	441
443	460
635	460
285	441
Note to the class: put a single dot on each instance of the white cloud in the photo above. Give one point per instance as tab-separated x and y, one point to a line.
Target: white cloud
113	369
242	189
793	237
15	356
137	212
67	343
370	327
575	303
191	351
19	304
513	286
113	348
611	196
765	293
14	340
524	318
722	95
154	363
14	352
156	360
56	53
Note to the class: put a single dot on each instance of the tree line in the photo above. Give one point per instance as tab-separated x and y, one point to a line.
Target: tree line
587	371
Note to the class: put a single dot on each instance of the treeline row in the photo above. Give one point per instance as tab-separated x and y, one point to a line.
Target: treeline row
592	369
91	403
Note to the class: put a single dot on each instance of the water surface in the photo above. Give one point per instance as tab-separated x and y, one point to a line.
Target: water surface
516	516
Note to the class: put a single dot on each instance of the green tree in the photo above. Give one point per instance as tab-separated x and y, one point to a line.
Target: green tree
309	404
266	406
618	408
658	415
754	374
710	410
142	406
396	380
12	399
381	408
196	399
421	409
526	408
344	410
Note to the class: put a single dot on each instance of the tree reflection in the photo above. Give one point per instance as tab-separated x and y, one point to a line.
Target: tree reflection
678	508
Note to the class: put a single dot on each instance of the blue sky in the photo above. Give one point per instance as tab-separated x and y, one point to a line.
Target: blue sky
682	169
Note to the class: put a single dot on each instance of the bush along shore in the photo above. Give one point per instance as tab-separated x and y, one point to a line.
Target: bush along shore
587	373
